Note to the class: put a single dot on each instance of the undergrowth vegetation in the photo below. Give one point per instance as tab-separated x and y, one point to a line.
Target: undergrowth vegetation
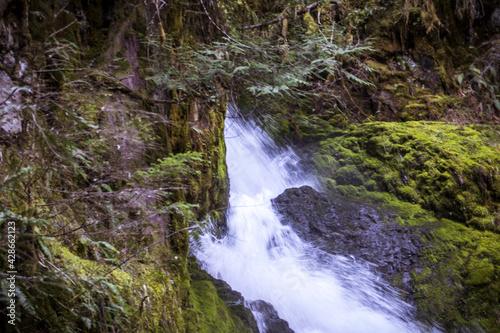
262	72
85	204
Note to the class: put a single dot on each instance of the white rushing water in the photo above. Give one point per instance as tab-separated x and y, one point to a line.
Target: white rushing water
266	260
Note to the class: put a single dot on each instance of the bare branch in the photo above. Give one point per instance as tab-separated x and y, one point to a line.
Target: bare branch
281	18
62	29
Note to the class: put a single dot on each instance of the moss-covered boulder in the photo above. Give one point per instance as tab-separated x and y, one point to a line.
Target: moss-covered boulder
433	175
443	167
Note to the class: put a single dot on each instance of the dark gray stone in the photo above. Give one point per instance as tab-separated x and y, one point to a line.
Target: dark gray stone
274	324
353	229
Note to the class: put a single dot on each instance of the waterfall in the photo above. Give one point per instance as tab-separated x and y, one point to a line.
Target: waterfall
266	260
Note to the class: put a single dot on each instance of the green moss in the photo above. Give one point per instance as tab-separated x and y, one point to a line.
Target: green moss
480	273
428	173
464	282
124	294
210	313
381	69
348	174
311	24
446	168
215	306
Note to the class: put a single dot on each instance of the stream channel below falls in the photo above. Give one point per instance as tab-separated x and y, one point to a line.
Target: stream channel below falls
264	259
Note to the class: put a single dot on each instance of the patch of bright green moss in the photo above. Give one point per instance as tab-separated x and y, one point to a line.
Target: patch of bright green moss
145	297
450	169
211	314
462	280
131	291
429	173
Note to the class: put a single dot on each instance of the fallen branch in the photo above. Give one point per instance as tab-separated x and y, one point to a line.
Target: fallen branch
281	18
117	85
10	95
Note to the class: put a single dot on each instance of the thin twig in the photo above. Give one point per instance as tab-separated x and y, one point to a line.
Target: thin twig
10	95
116	84
62	29
281	18
61	10
221	30
60	69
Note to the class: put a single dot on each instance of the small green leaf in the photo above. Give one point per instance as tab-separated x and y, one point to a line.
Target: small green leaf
107	187
87	322
496	102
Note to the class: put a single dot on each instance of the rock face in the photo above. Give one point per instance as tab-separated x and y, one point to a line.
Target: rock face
274	324
10	106
352	229
59	63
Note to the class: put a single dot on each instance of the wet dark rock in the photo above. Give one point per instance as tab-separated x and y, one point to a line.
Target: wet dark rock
353	229
274	324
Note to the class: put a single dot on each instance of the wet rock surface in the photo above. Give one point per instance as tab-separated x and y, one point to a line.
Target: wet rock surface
353	229
274	324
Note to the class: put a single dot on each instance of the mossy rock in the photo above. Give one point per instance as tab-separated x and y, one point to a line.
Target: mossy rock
216	307
444	167
441	175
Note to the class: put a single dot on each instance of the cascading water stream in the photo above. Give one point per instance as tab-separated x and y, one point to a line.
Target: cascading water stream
266	260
